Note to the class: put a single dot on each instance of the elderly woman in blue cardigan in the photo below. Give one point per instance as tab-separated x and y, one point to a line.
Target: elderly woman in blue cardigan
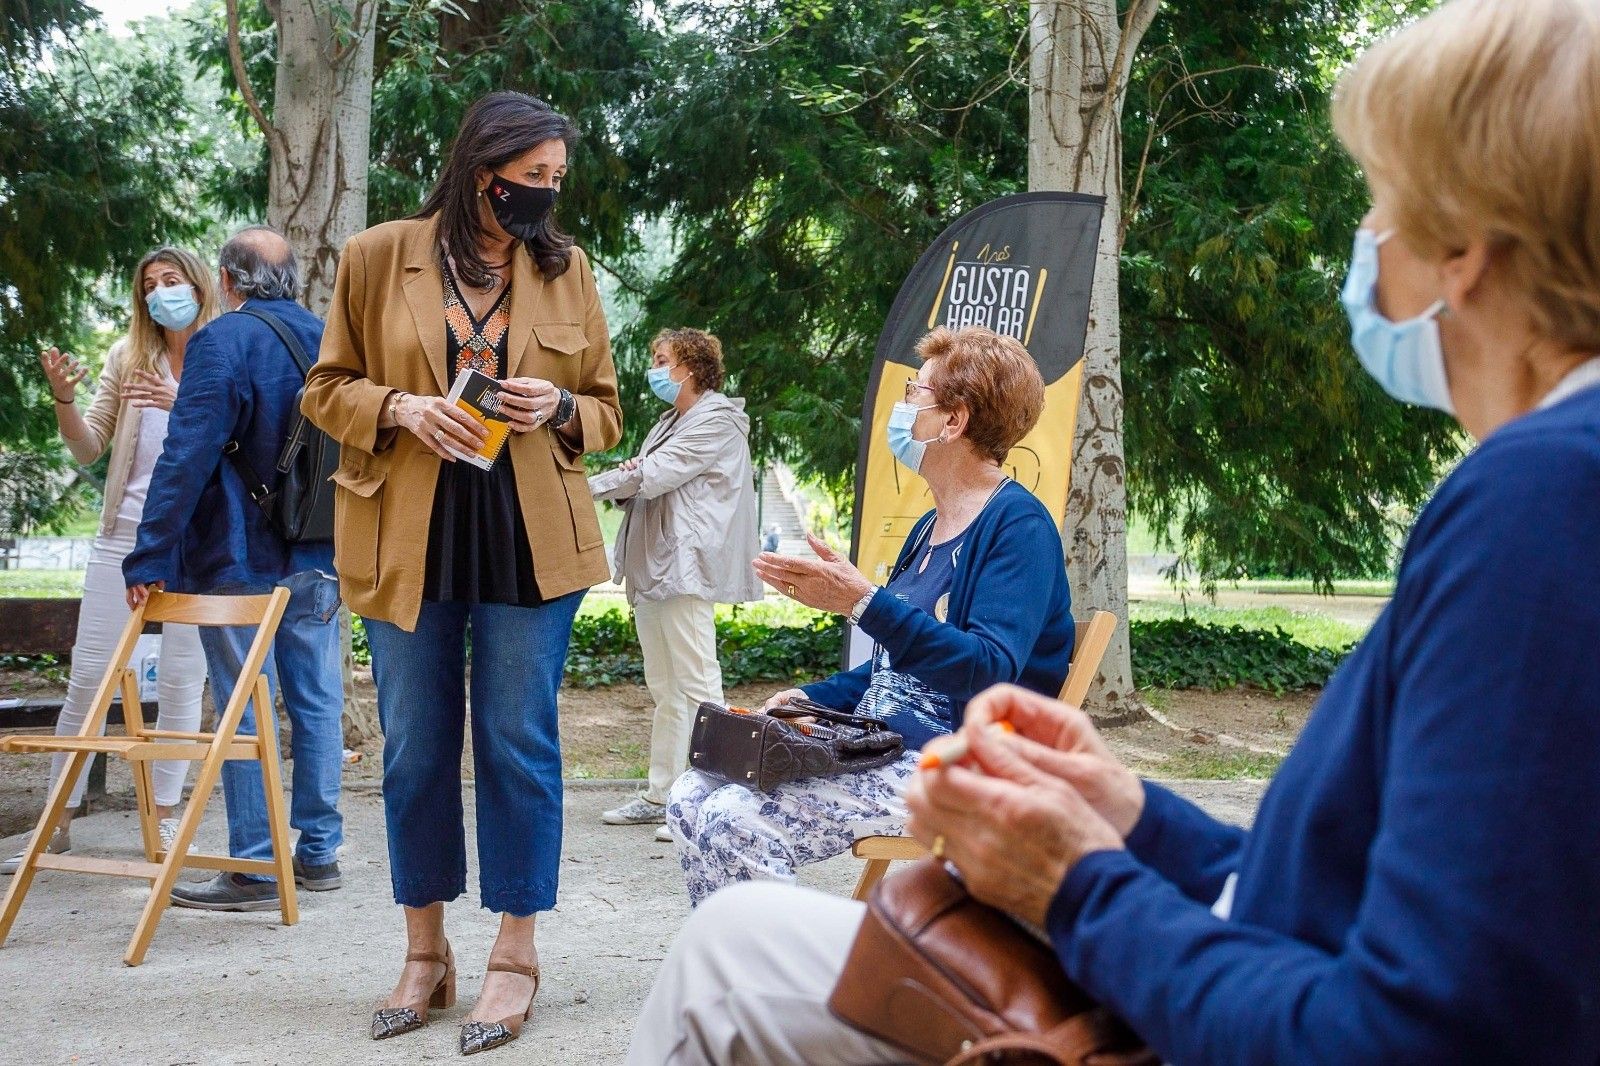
1421	882
977	597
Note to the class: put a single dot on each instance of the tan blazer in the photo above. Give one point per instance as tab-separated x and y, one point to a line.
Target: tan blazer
386	331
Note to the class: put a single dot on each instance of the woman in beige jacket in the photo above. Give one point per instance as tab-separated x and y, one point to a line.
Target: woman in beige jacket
173	296
685	546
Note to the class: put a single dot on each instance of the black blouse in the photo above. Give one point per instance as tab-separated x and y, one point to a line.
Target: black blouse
478	548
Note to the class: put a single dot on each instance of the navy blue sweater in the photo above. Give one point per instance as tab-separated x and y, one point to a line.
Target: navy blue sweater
1422	883
1010	615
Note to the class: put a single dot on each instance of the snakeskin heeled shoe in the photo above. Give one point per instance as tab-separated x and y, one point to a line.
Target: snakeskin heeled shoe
481	1036
397	1021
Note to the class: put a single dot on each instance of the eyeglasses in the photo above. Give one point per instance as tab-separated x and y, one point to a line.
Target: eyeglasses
911	390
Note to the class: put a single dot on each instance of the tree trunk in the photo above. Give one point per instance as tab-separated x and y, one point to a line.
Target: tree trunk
1082	52
322	114
319	139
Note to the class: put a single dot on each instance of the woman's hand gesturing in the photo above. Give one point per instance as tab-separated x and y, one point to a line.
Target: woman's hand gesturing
827	583
446	429
64	372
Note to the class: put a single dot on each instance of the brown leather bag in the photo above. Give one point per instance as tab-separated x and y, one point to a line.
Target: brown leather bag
952	981
763	751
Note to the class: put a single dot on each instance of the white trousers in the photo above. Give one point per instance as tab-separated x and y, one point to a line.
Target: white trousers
679	639
747	984
180	677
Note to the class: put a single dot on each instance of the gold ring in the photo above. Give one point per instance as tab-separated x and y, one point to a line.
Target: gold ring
791	591
937	851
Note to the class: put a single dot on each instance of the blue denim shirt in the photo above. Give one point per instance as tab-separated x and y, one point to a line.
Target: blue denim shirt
201	530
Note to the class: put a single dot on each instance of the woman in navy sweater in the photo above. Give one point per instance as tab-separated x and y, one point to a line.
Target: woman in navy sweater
1422	882
978	596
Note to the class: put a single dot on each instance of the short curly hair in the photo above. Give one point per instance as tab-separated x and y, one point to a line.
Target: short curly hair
698	350
993	377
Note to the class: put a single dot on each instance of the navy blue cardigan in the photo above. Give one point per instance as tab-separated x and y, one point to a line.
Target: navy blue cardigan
1422	883
1010	616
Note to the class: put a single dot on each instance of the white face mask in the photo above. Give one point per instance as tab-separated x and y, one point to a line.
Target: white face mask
1406	358
902	445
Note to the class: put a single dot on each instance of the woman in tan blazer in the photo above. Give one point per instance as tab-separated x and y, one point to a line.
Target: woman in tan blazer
431	548
174	294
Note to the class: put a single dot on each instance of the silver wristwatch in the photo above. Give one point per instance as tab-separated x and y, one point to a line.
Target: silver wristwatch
861	607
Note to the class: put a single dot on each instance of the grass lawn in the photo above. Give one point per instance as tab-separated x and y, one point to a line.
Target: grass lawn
1305	588
41	584
1314	629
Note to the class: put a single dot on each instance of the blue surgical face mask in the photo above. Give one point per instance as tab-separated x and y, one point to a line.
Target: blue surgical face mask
661	383
902	444
1406	357
172	306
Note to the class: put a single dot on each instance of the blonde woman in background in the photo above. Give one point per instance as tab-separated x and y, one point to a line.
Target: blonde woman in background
173	296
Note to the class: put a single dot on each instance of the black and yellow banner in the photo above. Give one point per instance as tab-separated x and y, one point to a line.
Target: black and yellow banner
1022	266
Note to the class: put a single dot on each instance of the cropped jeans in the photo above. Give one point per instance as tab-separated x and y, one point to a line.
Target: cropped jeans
518	656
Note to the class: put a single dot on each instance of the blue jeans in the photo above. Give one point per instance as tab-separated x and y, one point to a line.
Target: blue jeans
304	662
518	654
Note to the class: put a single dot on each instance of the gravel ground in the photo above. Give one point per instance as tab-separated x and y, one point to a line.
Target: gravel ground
239	988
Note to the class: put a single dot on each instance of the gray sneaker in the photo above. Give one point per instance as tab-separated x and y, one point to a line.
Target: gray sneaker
228	892
317	877
60	844
637	811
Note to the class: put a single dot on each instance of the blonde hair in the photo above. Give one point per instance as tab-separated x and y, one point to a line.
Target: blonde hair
1482	122
146	345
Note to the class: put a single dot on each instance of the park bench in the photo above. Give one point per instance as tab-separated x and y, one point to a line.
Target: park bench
48	627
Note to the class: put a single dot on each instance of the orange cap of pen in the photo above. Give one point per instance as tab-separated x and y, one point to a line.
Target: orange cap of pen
958	747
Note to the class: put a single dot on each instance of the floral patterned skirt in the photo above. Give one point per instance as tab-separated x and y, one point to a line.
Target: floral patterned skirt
726	833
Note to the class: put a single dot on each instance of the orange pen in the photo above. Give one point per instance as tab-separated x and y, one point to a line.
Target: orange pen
956	748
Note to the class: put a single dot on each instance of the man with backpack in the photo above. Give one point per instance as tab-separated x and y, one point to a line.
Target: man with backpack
230	510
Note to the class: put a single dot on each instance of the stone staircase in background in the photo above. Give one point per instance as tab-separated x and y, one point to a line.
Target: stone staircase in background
777	506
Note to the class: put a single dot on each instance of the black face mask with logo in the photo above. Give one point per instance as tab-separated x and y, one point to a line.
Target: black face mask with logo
519	208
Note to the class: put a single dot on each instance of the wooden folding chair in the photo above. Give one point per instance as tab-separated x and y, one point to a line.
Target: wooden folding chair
142	746
1093	638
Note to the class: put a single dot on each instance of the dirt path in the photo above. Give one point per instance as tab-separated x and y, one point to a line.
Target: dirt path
605	734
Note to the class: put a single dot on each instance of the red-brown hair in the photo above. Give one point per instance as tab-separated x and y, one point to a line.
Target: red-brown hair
993	377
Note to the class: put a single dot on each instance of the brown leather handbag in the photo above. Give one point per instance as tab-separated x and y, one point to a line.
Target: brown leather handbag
763	751
952	982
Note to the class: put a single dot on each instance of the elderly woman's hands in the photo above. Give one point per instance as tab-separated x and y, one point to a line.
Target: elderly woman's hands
1013	830
788	695
828	583
1061	741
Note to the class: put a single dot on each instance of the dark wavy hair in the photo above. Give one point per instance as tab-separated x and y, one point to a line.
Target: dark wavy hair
497	129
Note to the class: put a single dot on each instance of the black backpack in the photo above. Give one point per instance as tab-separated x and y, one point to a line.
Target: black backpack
300	508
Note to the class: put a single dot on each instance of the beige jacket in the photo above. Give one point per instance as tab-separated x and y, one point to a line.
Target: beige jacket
386	331
114	424
690	528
